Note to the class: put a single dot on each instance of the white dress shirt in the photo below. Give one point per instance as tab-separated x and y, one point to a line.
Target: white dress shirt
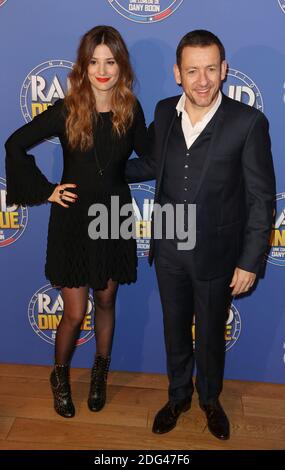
192	132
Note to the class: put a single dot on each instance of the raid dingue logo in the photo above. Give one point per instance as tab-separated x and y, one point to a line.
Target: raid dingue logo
43	85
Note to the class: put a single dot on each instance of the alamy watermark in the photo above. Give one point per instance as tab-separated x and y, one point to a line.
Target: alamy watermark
170	221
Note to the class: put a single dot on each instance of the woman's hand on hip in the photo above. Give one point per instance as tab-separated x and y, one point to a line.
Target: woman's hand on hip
61	195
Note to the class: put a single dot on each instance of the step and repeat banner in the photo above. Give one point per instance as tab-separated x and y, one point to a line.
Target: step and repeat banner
38	41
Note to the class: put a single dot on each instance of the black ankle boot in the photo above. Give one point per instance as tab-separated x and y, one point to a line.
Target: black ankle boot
97	392
59	380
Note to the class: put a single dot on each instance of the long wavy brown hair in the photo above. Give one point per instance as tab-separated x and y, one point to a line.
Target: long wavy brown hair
80	100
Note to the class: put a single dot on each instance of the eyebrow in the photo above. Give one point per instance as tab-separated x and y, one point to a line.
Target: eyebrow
107	58
195	67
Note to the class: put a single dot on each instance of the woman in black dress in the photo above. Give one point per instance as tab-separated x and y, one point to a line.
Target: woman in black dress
99	124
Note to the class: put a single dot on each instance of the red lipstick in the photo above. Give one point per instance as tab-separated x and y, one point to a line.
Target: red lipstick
102	80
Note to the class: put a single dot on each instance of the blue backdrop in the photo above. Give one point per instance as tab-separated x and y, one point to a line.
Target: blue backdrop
38	43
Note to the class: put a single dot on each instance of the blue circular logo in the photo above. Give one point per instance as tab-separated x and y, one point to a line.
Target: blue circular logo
45	312
282	5
143	200
233	327
42	87
277	241
145	11
241	87
13	219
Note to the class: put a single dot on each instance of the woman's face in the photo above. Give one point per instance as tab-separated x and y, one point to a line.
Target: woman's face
103	71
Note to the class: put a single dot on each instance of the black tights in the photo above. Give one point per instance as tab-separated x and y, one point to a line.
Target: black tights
75	305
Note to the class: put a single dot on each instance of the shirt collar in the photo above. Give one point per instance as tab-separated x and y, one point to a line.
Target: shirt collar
180	107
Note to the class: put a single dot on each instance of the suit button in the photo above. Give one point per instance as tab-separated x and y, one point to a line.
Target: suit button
186	166
186	177
185	189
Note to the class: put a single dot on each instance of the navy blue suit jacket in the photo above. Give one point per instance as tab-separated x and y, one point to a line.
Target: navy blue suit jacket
234	193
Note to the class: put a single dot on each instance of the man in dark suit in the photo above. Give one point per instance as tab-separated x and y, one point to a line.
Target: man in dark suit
214	152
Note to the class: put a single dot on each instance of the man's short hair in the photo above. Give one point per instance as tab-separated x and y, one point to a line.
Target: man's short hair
199	38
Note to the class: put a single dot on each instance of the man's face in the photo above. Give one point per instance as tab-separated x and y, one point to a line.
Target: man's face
200	74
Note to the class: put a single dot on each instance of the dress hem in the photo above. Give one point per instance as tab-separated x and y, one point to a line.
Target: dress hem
58	285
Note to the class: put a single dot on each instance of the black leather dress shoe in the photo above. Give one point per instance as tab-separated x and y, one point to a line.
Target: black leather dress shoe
167	417
218	423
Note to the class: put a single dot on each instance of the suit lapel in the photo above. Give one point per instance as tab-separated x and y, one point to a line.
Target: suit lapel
219	117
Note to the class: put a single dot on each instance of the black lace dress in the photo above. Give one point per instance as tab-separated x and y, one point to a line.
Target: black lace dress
73	258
